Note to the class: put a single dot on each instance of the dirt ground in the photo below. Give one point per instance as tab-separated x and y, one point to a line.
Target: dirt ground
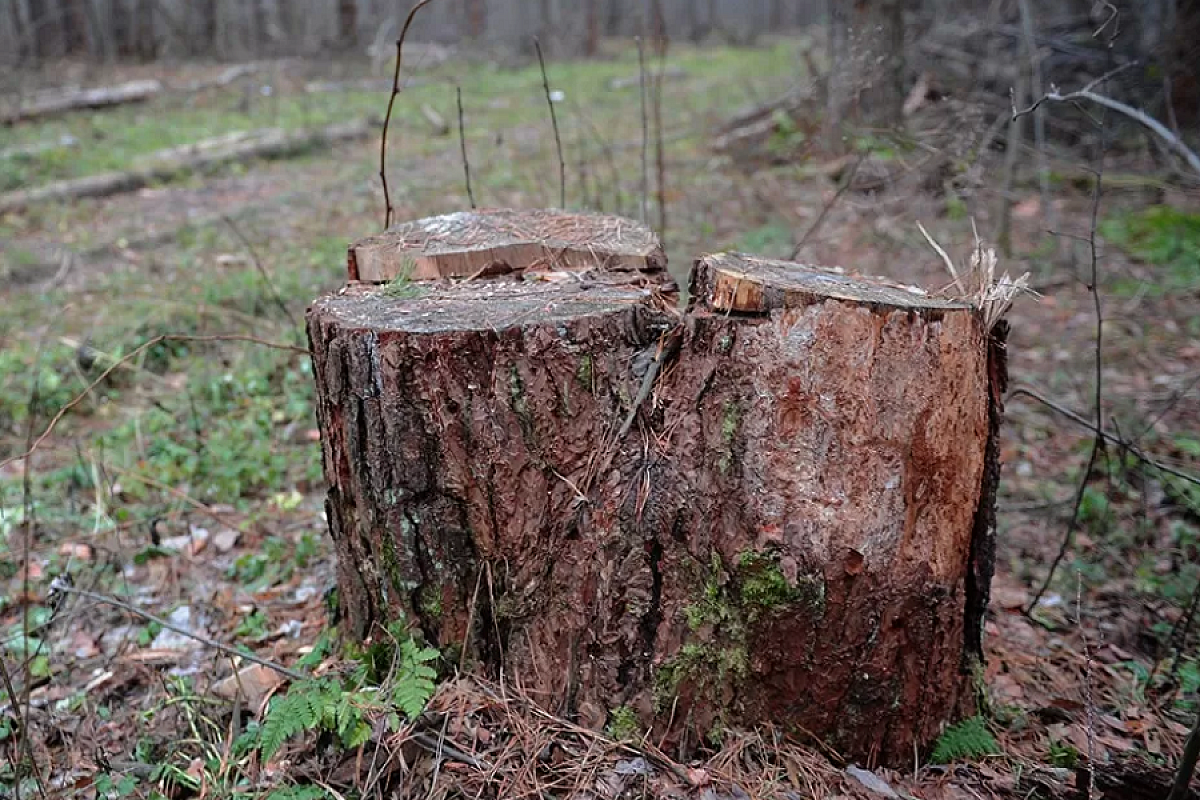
188	484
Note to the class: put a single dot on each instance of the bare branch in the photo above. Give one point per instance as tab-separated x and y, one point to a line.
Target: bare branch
1170	139
641	48
562	165
462	141
262	270
59	585
387	119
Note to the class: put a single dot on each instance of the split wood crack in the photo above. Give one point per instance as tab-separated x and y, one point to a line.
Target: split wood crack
668	346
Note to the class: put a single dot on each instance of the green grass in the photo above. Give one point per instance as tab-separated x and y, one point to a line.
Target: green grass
495	99
1163	236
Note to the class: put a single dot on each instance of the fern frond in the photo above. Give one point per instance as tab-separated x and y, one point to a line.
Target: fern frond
967	740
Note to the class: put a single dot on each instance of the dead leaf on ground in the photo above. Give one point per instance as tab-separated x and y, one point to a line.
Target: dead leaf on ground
254	683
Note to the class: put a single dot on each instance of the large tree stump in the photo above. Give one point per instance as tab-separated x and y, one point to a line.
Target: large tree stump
771	507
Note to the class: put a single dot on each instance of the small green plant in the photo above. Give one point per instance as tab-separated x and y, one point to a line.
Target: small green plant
969	739
252	626
402	285
1063	755
1164	236
623	724
343	707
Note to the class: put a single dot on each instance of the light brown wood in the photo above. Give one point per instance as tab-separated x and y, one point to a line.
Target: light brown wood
497	241
735	282
167	164
61	102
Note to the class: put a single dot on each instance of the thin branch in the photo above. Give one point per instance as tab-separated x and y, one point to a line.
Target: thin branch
1098	435
562	164
59	585
847	179
137	351
1180	789
262	270
26	739
387	119
462	142
1172	141
661	44
641	49
1083	422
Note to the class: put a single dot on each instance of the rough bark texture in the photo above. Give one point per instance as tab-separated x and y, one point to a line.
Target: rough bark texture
493	241
784	534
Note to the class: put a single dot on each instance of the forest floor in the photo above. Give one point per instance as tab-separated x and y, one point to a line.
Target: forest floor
188	482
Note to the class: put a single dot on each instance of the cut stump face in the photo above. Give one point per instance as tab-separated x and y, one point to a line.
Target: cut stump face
784	534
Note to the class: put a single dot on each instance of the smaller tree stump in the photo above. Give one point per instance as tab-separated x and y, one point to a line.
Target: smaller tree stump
771	507
495	241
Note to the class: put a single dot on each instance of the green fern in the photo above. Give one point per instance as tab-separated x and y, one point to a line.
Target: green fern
298	793
968	739
342	707
414	682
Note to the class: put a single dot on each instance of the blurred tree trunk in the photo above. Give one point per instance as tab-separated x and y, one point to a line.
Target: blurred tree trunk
866	75
612	18
44	25
591	39
347	23
74	27
475	14
19	11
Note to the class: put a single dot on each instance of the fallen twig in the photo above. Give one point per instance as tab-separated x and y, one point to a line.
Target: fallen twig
61	586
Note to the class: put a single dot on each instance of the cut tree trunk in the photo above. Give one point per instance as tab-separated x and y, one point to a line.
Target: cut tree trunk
166	164
48	105
495	241
772	507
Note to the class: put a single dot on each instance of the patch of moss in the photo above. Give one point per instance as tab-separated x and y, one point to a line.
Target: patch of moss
731	422
431	602
519	403
728	607
583	373
623	724
763	586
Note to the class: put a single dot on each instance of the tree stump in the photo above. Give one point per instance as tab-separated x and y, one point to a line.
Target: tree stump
771	507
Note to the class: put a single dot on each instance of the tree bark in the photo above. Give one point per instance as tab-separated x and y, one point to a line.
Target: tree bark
762	509
866	83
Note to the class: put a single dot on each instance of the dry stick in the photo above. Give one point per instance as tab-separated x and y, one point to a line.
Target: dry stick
62	586
30	520
1039	117
1013	145
462	142
262	270
1180	789
660	165
137	351
26	740
641	49
1086	93
387	119
1098	437
847	179
562	165
1083	422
